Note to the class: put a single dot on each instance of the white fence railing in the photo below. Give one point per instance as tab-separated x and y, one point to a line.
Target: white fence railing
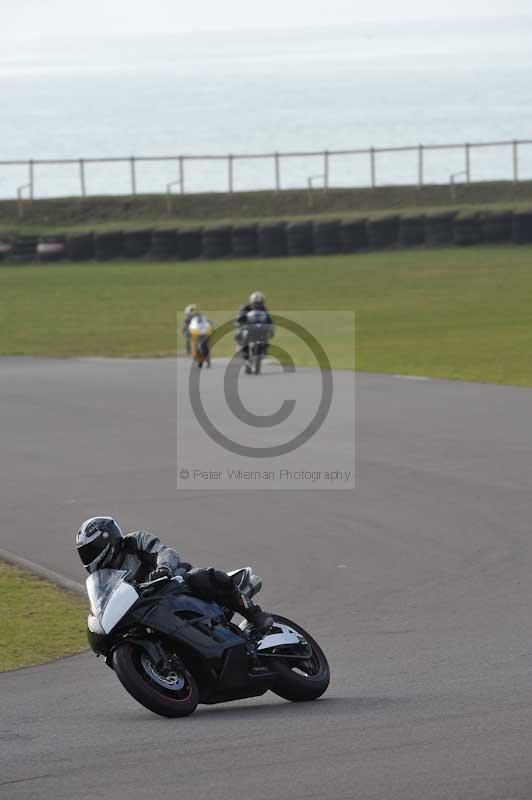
39	175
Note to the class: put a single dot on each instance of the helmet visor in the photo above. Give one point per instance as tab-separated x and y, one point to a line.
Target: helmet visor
91	550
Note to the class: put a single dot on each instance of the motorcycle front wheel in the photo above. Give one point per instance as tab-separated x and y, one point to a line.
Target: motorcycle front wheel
170	694
305	679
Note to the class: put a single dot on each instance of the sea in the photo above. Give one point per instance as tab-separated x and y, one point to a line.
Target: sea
381	85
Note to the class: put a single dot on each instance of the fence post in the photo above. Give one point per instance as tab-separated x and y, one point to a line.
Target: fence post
230	172
373	168
182	174
468	162
82	177
515	154
133	176
326	169
420	166
31	178
277	172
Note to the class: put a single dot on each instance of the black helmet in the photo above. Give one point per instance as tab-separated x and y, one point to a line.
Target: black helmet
96	541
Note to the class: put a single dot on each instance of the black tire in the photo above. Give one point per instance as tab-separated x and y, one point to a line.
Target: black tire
190	244
108	245
136	244
327	240
383	232
217	242
295	686
354	236
467	230
299	238
128	665
272	240
164	245
411	231
522	227
245	242
439	229
80	247
257	362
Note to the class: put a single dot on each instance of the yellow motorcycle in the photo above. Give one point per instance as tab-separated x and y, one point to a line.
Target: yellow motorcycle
200	329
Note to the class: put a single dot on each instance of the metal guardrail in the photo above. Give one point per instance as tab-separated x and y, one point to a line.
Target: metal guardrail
326	155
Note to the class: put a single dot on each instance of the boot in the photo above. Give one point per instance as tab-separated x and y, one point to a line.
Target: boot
261	620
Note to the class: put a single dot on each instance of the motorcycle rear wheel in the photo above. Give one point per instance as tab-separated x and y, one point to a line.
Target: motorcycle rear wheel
177	696
305	680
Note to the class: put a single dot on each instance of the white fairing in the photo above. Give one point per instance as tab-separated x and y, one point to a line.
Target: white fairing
281	634
119	604
110	598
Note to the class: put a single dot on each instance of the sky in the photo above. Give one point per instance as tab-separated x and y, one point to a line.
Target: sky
57	17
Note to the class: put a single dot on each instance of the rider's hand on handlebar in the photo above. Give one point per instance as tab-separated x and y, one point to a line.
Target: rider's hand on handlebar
160	572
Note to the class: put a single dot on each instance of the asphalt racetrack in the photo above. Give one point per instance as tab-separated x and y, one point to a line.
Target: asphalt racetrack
417	584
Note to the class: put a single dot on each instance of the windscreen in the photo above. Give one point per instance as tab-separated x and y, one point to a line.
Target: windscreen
101	585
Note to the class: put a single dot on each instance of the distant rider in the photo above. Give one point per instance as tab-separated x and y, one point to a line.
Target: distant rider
257	302
190	312
101	545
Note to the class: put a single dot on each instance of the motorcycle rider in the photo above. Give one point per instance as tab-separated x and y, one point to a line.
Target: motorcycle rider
190	312
101	545
257	302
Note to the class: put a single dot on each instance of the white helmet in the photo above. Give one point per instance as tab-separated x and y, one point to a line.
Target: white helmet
257	299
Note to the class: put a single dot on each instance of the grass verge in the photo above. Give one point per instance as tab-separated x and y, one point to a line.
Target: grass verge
70	215
450	313
39	621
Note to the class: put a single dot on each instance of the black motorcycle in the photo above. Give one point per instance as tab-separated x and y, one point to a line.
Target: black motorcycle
255	335
172	650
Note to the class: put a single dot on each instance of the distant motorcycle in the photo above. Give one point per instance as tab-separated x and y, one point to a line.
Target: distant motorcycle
255	335
171	650
200	330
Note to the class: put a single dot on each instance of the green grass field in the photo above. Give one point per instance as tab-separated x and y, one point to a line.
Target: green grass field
39	621
463	314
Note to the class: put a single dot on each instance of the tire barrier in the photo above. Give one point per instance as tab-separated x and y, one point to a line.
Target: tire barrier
327	238
439	229
412	231
24	248
245	241
383	232
497	227
272	240
216	242
522	227
467	230
51	248
354	236
299	239
5	250
164	245
277	239
190	244
80	247
108	245
136	243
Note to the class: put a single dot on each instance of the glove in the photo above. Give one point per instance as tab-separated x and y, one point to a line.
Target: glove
160	572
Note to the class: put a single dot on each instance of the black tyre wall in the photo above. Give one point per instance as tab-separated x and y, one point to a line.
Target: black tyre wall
245	241
136	243
299	238
497	227
327	239
467	230
108	245
216	242
354	236
439	229
164	245
522	227
272	240
80	247
383	233
190	244
412	231
25	248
